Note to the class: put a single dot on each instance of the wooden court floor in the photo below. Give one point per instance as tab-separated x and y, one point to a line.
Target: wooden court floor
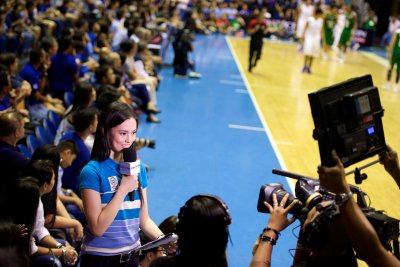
280	90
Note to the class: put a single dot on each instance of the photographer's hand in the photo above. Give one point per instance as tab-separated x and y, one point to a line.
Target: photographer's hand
278	219
333	178
390	161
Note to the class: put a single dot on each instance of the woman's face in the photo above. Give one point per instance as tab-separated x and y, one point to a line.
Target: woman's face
123	135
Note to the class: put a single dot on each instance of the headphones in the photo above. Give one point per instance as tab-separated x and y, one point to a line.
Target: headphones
221	203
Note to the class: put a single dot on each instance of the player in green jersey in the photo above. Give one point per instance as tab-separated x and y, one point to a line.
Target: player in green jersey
349	27
393	52
329	23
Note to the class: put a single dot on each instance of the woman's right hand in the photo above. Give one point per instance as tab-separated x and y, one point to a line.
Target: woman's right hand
129	183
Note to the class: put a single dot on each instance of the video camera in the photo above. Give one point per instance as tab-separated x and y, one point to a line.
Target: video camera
347	118
309	195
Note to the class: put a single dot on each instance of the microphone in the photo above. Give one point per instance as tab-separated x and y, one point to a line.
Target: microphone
130	165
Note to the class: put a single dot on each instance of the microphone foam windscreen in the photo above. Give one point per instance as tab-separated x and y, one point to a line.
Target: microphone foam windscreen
129	154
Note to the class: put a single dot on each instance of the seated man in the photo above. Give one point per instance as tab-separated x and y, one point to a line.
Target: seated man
12	160
35	72
85	124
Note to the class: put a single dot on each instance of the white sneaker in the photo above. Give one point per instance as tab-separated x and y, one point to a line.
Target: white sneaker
396	87
341	58
386	86
195	75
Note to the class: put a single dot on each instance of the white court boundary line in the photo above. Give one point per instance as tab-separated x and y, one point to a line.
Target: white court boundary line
374	57
244	127
260	115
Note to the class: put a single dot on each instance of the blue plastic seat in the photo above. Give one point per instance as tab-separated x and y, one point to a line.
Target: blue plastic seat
68	98
25	151
54	118
49	127
43	136
32	143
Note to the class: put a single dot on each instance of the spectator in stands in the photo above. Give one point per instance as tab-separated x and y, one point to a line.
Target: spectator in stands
73	203
168	226
22	88
85	124
63	72
12	160
46	248
19	203
57	218
5	89
35	72
201	219
394	24
16	21
128	50
148	256
84	96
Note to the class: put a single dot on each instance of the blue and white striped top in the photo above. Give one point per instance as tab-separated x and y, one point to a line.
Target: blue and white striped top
122	235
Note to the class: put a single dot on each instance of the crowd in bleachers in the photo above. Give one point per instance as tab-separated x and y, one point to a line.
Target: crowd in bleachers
61	64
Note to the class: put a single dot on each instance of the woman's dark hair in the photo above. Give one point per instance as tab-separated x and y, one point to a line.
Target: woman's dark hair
82	96
4	79
47	42
50	154
106	95
64	43
7	59
127	45
101	72
113	115
35	55
203	231
169	225
20	203
83	117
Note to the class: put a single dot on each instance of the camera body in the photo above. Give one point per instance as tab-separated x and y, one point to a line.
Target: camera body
309	194
348	118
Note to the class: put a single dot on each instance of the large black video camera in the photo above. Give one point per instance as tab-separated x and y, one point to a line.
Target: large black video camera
310	195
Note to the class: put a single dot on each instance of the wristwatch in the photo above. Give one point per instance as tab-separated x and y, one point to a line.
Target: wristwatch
59	245
64	253
342	198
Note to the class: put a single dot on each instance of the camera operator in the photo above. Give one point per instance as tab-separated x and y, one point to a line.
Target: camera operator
277	222
363	236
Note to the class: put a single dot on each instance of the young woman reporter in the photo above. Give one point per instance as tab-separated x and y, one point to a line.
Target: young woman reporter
111	237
